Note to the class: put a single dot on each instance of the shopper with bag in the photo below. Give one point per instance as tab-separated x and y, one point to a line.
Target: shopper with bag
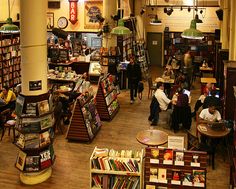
134	77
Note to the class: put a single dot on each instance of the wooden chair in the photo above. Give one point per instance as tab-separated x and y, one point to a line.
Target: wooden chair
7	123
151	87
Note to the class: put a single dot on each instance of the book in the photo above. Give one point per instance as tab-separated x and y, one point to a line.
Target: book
30	127
153	175
168	154
195	161
44	139
179	156
19	105
20	161
31	141
31	109
176	175
188	177
21	141
162	175
46	122
52	154
199	176
154	156
45	159
43	107
32	163
100	152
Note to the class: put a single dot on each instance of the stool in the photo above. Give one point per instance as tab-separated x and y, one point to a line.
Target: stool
10	124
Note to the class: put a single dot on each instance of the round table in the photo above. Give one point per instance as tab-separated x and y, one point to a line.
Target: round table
209	132
152	137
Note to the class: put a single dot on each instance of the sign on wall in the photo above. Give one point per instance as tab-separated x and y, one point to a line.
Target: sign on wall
91	9
73	11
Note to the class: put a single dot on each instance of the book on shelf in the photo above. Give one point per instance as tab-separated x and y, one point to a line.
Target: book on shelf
20	161
100	152
29	127
179	158
153	175
154	156
46	122
31	109
21	141
19	105
45	159
43	107
31	141
188	179
162	175
195	161
199	178
52	154
176	177
44	139
32	163
168	156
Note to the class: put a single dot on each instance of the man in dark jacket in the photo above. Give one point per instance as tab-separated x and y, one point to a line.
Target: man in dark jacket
134	76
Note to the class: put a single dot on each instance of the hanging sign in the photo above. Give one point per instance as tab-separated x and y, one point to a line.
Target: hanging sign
73	11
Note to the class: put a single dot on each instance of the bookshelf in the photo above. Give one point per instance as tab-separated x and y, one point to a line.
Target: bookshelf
106	98
116	169
174	169
85	121
35	142
10	59
174	44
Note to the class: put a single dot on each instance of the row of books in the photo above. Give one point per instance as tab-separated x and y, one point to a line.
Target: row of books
34	140
118	164
6	42
83	98
110	97
170	157
178	177
32	109
107	84
35	163
113	106
115	182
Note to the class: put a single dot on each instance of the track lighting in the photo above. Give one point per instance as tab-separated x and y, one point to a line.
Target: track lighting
169	11
189	9
181	8
165	10
201	11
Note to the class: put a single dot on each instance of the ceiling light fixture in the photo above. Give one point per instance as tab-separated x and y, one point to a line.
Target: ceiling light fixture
9	27
156	21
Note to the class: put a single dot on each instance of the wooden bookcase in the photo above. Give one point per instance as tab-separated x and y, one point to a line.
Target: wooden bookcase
106	98
10	59
113	169
162	170
85	121
34	124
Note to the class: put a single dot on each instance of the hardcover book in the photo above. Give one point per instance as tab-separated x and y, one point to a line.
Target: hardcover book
154	156
32	163
20	161
45	159
43	107
31	109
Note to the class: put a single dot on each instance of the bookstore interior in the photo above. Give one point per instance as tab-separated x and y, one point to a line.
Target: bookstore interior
67	83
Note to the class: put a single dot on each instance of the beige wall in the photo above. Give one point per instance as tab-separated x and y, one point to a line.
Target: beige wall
14	9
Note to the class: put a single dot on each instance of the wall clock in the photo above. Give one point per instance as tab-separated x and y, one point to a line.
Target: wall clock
62	22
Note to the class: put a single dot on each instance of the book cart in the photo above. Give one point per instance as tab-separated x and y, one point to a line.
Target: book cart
111	169
34	124
85	121
106	98
170	168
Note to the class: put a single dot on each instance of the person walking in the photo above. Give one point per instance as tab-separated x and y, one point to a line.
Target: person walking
134	76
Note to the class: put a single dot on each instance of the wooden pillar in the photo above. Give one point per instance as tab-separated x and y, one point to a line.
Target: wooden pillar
232	44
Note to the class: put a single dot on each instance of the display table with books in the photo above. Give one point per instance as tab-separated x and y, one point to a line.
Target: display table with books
35	142
112	169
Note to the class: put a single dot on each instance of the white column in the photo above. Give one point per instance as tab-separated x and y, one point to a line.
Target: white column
33	45
232	44
225	25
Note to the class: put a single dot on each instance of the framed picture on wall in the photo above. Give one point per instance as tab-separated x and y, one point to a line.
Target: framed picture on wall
91	10
50	20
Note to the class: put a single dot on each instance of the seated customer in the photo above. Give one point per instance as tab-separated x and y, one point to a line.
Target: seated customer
182	111
168	73
212	100
8	97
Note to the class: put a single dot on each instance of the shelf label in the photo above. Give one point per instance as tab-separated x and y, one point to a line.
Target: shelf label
168	162
195	164
198	184
180	163
176	182
155	161
187	183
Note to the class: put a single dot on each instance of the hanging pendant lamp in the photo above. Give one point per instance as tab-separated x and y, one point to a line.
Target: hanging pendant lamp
120	29
9	27
192	32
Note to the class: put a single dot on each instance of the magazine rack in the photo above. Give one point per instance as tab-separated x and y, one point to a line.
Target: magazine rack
34	124
174	168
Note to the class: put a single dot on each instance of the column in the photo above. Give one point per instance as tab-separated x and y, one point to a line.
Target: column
33	36
225	25
232	44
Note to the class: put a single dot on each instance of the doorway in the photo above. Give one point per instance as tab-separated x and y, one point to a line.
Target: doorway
154	47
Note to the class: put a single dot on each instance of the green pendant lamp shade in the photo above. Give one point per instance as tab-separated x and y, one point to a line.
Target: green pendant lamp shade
192	32
9	27
120	29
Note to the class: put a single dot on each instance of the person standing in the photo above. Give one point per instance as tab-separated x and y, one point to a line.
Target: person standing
134	76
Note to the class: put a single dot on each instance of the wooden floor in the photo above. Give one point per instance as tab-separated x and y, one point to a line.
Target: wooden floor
71	169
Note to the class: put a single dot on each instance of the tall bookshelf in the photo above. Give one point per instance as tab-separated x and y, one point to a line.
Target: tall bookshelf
85	121
116	169
174	169
35	142
174	44
106	98
10	59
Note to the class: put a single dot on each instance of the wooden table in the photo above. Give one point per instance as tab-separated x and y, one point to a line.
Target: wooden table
152	137
212	134
208	80
159	79
206	69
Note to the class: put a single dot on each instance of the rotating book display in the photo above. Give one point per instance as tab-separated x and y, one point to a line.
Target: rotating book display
34	124
106	98
111	169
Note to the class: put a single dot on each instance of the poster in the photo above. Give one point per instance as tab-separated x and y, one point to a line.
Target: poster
91	9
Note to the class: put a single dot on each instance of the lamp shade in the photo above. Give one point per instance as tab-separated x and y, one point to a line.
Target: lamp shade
9	27
120	29
192	32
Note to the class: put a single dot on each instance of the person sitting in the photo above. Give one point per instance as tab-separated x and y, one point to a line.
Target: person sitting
168	73
182	111
209	116
212	99
163	102
9	97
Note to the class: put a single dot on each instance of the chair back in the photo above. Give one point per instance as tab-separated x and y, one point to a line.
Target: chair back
5	115
192	141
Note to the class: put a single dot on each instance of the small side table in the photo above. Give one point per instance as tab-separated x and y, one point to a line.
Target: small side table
152	137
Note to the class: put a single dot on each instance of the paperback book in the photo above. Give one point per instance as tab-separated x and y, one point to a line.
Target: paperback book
44	139
43	107
46	122
168	156
19	105
32	163
188	179
179	158
31	109
154	156
162	175
45	159
199	178
153	175
175	178
20	161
